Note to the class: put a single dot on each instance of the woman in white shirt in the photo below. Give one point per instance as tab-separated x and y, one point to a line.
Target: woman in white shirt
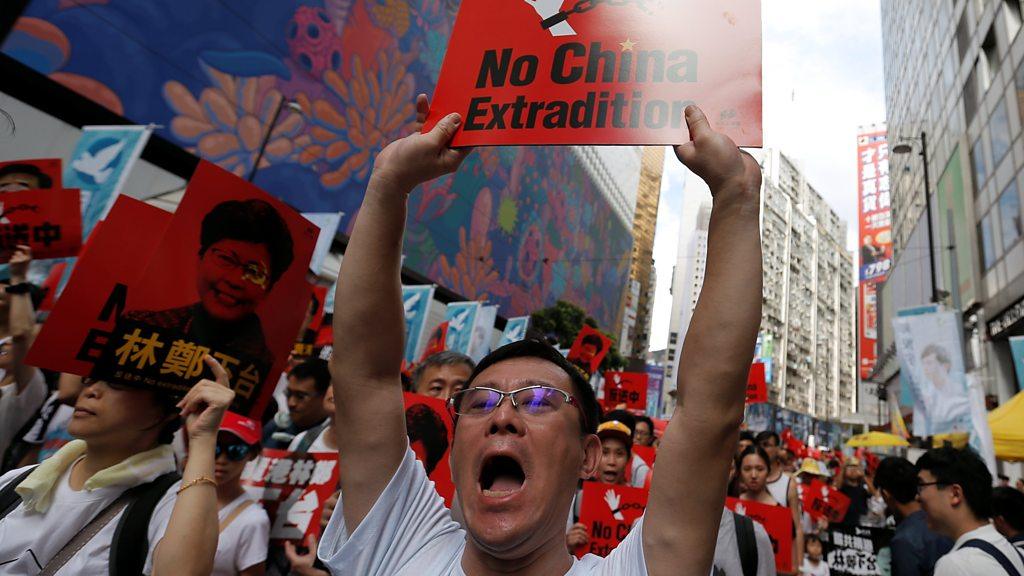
244	525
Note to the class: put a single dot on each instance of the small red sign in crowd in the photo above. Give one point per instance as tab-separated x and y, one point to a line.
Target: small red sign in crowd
629	388
823	501
777	522
609	512
292	488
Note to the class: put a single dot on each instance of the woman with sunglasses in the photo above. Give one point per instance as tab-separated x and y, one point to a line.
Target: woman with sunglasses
244	525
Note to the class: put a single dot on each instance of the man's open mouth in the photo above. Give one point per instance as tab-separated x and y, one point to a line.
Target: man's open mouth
501	476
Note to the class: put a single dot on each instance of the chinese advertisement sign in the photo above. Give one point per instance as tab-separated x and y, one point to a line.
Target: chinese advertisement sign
875	252
601	72
609	512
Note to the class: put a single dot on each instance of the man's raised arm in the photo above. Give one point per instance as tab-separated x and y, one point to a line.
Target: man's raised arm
369	321
688	487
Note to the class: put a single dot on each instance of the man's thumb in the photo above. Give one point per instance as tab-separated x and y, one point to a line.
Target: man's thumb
696	122
446	128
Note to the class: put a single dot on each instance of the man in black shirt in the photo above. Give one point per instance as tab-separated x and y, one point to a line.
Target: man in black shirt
915	548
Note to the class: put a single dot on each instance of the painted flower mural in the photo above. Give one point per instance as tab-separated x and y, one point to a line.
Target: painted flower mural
521	227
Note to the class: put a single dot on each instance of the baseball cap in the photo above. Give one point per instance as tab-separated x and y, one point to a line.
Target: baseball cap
245	428
852	461
615	429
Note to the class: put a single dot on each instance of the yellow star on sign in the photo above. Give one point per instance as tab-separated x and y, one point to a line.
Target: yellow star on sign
628	45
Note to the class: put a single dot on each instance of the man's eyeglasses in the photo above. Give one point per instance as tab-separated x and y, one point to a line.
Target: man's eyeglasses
532	400
235	452
922	485
253	272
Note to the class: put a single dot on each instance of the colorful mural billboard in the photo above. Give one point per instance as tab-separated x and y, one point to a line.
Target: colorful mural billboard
520	227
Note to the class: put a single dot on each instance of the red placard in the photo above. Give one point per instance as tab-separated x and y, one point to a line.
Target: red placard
589	72
609	512
49	221
320	297
777	522
82	319
30	174
227	280
292	487
436	342
50	285
823	501
629	388
646	453
757	387
589	349
431	431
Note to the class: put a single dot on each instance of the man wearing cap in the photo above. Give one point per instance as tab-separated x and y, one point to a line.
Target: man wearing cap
244	525
527	421
616	449
639	471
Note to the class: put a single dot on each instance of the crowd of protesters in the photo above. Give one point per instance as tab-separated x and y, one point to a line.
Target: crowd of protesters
103	477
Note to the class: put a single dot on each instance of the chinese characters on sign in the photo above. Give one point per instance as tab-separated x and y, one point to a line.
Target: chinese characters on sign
822	501
629	388
858	551
292	487
876	252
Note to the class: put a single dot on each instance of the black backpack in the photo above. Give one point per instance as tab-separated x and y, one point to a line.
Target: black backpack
746	541
131	539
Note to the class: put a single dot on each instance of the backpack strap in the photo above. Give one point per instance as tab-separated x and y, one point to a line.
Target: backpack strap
234	514
746	542
130	545
310	436
991	550
9	499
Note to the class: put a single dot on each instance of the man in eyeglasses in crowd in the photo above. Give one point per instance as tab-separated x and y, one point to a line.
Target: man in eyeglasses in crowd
526	422
955	490
307	408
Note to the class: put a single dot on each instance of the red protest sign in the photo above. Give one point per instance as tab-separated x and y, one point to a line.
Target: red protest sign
436	342
292	487
629	388
777	522
227	280
82	320
30	174
757	387
589	349
431	429
49	221
50	285
595	72
609	512
646	453
822	501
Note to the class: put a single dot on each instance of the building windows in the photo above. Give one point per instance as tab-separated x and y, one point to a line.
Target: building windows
1009	216
971	92
990	64
1012	16
999	125
988	248
980	163
963	36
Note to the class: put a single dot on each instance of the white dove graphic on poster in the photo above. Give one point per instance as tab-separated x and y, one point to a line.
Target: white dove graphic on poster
98	166
410	305
459	322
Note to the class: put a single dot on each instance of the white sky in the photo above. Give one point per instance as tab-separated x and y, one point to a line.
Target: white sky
823	77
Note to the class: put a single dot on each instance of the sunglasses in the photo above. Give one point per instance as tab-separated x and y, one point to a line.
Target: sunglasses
235	452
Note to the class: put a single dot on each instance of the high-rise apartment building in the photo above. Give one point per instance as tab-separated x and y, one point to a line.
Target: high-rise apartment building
954	74
808	291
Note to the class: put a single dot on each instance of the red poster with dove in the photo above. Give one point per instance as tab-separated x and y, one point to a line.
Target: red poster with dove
629	388
609	512
823	501
777	522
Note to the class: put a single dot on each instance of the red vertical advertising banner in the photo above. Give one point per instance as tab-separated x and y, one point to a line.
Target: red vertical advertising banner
875	254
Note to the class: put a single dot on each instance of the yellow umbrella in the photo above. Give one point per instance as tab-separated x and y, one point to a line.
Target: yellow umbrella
1007	423
876	439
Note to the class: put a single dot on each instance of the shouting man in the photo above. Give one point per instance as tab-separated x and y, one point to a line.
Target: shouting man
527	418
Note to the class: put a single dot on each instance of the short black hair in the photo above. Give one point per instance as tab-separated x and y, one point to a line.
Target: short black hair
593	339
314	368
966	469
899	477
254	221
445	358
32	170
1009	503
622	416
645	419
423	424
746	435
811	537
767	435
530	348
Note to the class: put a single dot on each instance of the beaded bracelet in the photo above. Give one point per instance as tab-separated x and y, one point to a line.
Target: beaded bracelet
200	480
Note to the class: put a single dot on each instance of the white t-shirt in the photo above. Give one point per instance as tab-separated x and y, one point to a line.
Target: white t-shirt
808	569
972	561
28	539
727	549
409	532
59	415
16	409
638	472
243	544
319	446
